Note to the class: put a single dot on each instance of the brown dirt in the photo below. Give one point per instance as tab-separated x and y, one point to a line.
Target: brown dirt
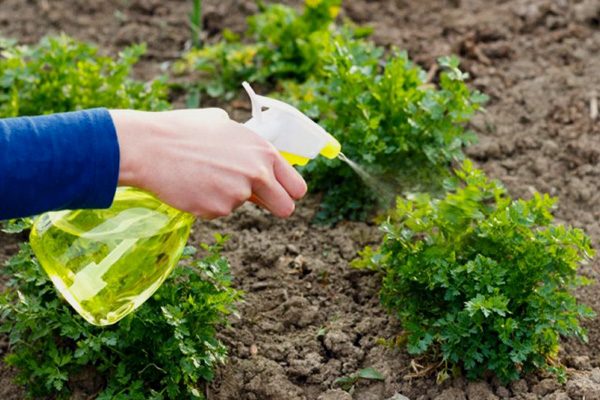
308	318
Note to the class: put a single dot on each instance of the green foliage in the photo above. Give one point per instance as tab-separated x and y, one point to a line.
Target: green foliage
196	23
164	350
16	225
222	66
388	119
292	44
285	44
481	280
60	74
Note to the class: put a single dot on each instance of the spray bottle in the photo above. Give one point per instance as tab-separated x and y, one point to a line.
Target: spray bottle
106	263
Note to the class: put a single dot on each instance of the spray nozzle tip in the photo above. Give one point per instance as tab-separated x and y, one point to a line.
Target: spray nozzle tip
332	149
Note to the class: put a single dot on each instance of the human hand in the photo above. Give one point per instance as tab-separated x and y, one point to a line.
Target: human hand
201	162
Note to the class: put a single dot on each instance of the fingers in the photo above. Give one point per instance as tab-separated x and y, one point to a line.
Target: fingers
274	198
289	178
278	191
220	208
256	200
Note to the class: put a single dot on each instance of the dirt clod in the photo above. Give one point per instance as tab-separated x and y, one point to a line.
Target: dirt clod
503	392
398	396
298	311
336	394
582	388
480	391
340	345
452	394
579	362
545	386
557	396
519	386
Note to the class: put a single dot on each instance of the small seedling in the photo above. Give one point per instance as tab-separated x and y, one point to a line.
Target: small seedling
196	23
347	383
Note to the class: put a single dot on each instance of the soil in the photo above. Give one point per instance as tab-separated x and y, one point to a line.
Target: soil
308	317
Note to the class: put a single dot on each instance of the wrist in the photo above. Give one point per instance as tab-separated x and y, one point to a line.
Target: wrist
130	126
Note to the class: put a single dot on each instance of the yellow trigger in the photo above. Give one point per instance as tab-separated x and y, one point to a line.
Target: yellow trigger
294	159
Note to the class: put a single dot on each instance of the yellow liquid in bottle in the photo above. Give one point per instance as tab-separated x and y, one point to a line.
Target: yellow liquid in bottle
106	263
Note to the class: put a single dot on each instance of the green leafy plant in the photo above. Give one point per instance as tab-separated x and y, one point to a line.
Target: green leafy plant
479	280
60	74
282	44
16	225
164	350
389	119
291	44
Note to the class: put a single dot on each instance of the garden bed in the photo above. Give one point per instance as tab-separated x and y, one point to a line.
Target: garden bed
308	318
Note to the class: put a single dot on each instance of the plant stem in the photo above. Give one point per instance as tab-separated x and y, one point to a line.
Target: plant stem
196	23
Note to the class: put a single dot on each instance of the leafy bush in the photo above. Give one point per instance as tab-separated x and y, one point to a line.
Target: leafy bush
161	351
283	44
388	119
481	280
60	74
222	66
291	44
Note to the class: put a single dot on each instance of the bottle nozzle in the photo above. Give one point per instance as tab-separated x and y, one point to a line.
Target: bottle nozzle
297	137
332	148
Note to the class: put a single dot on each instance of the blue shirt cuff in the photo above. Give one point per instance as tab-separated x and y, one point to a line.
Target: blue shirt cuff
56	162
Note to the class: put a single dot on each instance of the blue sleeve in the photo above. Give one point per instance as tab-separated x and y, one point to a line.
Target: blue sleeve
56	162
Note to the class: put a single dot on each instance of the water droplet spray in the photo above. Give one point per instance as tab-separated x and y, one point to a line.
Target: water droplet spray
385	191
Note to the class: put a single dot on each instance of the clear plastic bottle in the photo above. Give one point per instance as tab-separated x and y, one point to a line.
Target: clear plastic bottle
108	262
